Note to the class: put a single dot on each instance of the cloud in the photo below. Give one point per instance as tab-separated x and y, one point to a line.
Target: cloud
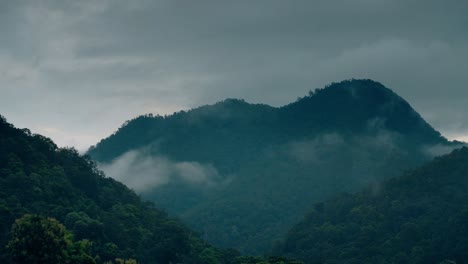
317	149
87	66
141	171
439	150
194	172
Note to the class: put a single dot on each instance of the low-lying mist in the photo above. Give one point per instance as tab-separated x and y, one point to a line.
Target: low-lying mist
142	171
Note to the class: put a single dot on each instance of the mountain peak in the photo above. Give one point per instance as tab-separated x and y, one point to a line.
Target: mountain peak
353	104
355	91
356	83
361	90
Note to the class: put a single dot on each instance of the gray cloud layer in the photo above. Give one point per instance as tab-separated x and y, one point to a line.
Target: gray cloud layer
75	70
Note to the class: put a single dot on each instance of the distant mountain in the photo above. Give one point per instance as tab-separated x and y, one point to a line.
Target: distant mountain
38	178
419	217
242	174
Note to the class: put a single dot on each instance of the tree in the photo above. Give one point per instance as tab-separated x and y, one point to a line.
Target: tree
36	239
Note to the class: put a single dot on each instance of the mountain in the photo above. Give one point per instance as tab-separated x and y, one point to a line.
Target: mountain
419	217
242	174
46	184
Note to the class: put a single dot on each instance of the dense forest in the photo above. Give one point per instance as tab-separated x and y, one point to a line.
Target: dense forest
57	207
242	174
419	217
233	132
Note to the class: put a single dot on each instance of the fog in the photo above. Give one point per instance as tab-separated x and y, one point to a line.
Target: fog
142	171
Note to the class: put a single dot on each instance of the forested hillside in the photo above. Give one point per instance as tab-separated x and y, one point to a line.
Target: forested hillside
69	212
419	217
242	174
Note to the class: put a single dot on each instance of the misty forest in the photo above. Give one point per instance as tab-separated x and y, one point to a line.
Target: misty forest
192	132
346	174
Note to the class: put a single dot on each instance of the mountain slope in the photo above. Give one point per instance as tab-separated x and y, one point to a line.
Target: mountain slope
36	177
242	174
420	217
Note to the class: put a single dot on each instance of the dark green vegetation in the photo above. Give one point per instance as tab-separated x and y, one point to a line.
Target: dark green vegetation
420	217
43	186
258	167
35	239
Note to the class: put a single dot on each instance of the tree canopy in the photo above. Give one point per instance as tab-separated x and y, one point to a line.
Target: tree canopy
36	240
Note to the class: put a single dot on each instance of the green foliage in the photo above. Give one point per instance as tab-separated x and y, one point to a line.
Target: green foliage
274	162
420	217
35	239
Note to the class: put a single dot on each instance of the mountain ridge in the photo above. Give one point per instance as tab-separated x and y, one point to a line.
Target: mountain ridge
313	103
252	151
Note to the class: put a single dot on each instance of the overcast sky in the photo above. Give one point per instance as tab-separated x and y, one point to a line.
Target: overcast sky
76	70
